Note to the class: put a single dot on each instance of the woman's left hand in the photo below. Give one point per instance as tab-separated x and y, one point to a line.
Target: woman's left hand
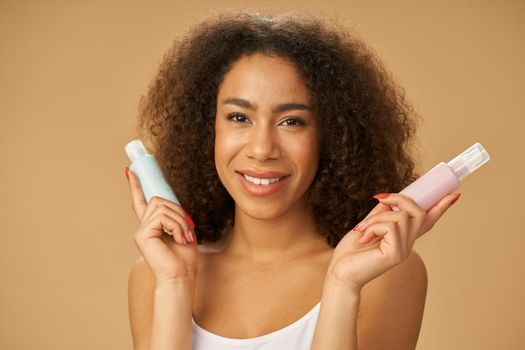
383	239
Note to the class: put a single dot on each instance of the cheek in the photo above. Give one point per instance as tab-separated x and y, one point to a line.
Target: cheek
220	139
226	147
306	154
223	144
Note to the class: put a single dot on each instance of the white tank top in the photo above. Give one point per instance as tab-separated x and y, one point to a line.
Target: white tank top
296	336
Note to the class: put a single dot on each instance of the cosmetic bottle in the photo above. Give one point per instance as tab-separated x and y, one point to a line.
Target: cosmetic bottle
148	172
444	178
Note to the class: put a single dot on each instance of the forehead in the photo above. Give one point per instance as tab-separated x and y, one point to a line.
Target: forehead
259	76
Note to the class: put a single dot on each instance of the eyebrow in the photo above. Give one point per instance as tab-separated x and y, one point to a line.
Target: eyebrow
283	107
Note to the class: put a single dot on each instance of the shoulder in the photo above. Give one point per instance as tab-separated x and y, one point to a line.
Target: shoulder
392	306
141	290
404	277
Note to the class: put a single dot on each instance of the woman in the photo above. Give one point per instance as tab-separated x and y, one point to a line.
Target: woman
275	133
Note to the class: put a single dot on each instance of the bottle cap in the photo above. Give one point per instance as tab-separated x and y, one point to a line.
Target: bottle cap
468	161
135	149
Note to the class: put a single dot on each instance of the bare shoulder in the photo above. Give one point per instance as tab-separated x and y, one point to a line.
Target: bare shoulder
392	306
141	290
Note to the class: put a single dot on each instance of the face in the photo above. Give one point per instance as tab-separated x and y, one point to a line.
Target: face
266	143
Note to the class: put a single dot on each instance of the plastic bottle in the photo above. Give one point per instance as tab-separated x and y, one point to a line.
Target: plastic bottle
148	172
445	177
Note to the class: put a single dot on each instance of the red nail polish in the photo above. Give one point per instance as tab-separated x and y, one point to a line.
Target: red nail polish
127	175
189	220
381	195
455	199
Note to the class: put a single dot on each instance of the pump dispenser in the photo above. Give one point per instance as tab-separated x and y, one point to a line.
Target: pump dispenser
148	172
445	177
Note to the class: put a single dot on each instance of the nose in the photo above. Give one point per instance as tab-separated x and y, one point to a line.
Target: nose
262	144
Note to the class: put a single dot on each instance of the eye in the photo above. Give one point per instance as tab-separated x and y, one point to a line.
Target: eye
237	117
293	122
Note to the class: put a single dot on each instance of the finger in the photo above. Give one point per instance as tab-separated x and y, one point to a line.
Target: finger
437	211
390	245
137	195
399	218
404	203
377	229
400	221
157	249
174	206
408	226
172	210
385	216
157	201
168	225
380	207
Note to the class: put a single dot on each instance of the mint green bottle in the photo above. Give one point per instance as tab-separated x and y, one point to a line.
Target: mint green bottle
147	170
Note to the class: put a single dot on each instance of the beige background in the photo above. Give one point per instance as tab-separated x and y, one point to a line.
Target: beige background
71	73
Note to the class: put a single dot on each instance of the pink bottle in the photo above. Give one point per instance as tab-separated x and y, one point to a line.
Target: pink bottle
445	177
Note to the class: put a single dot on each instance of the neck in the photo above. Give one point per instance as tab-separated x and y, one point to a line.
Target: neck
275	239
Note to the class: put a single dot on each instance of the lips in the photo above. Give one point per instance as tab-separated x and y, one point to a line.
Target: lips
262	174
268	187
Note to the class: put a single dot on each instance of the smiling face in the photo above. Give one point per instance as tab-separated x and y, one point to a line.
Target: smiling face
266	143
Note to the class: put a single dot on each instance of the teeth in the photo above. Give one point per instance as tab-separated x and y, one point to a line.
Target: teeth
263	182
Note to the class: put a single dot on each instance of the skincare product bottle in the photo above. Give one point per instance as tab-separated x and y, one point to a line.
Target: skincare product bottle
147	170
445	177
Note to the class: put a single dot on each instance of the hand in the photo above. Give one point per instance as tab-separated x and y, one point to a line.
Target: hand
383	239
165	236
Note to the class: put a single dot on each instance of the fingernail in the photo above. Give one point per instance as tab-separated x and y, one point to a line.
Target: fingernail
455	199
381	195
356	228
189	220
127	175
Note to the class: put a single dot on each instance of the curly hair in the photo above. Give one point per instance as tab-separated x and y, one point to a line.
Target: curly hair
366	126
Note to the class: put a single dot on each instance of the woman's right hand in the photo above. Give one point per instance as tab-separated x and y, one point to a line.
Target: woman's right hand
165	236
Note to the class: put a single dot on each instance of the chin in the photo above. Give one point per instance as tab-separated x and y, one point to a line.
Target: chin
262	213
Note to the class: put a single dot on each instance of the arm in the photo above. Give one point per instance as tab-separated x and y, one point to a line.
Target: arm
160	315
375	287
386	314
337	323
161	284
